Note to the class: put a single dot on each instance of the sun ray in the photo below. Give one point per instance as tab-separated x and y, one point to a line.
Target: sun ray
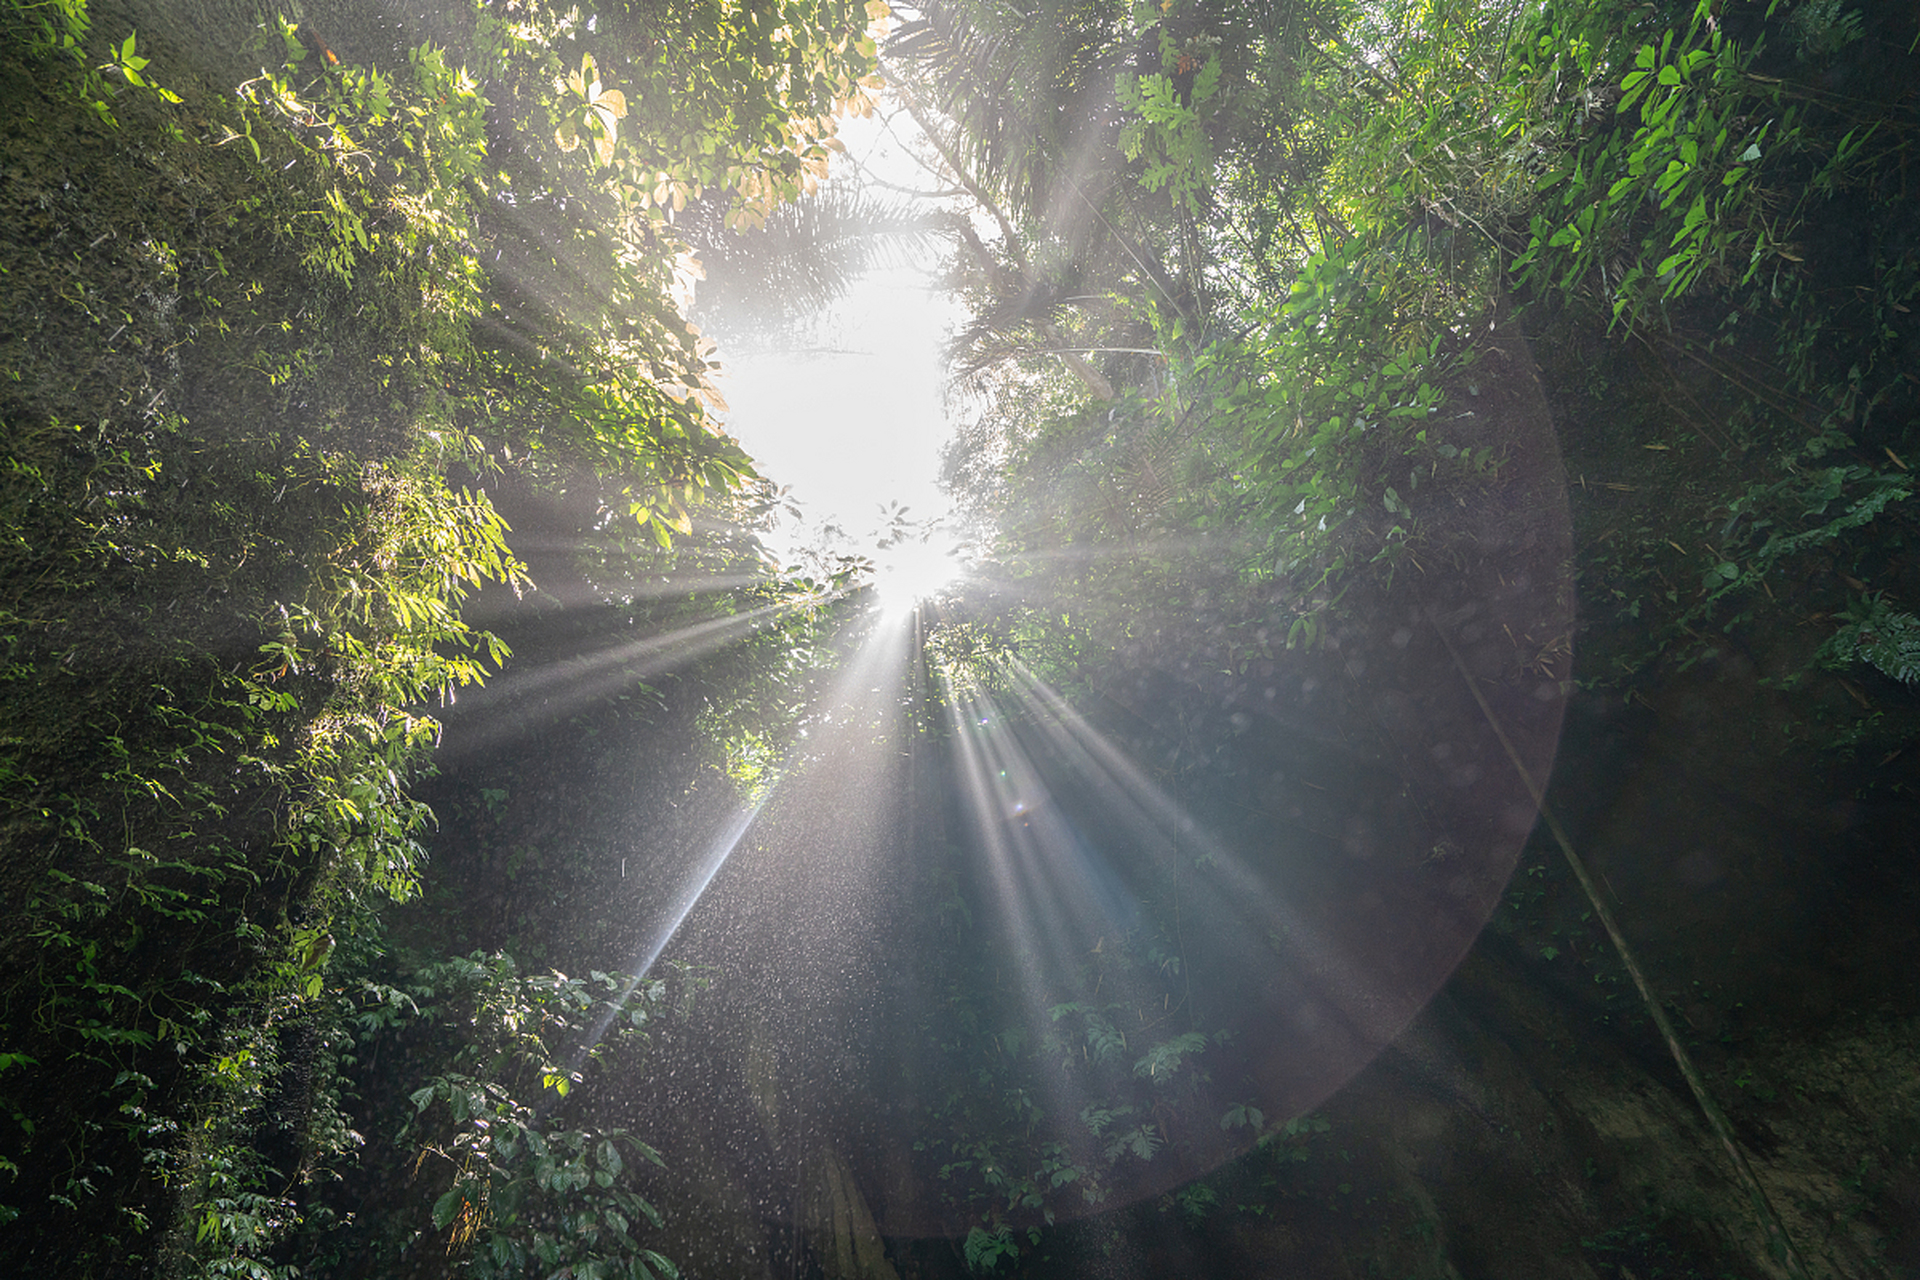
680	908
852	713
564	685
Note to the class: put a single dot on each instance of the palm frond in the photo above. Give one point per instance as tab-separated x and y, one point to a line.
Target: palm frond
805	257
1028	85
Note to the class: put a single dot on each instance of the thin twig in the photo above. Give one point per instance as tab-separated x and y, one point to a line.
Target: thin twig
1776	1232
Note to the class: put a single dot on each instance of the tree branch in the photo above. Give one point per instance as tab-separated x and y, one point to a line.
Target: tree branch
961	175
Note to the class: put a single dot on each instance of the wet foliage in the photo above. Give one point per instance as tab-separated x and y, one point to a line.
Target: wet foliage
269	343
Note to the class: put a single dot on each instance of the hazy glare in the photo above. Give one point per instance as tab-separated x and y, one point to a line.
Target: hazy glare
851	415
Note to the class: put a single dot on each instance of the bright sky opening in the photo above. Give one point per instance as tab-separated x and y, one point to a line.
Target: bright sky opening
854	423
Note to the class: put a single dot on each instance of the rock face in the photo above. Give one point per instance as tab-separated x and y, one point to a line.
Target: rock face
1505	1135
1529	1122
846	1242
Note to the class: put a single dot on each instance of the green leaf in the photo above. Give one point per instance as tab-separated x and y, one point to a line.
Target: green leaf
1208	81
448	1207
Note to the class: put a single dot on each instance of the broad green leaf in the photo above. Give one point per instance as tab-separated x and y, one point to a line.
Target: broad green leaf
448	1207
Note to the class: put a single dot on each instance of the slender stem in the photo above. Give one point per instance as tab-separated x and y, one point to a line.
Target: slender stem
1096	351
975	189
1096	382
1153	274
1776	1232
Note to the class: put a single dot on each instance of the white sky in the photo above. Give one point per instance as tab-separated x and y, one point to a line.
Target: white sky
855	422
